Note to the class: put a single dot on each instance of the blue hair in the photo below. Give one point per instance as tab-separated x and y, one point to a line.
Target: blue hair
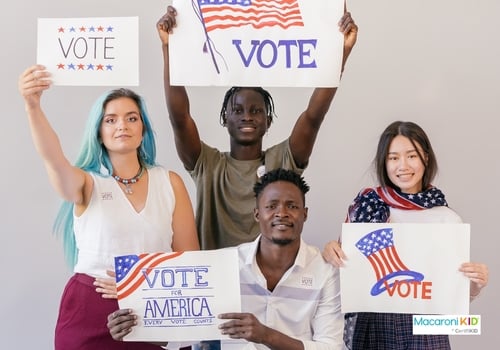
94	158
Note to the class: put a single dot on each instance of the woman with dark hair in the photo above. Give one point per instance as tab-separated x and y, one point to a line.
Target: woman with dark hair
118	201
405	165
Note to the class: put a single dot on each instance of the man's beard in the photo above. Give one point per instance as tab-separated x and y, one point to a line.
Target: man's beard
281	241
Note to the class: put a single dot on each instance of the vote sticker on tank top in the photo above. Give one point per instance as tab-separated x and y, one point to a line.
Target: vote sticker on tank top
107	196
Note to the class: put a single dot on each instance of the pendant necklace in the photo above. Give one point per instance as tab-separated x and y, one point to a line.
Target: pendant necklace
129	182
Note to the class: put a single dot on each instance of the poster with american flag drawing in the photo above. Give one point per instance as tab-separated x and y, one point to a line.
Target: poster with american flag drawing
177	296
405	268
256	43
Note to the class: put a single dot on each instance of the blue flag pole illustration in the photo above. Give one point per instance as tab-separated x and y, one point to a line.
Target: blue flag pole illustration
207	46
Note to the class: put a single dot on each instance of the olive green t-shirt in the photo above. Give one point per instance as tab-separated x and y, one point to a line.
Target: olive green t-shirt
225	200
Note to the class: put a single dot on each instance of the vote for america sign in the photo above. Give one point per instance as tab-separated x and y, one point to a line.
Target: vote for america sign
177	296
90	51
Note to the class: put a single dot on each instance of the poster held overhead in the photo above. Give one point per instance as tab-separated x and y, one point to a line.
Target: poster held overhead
95	51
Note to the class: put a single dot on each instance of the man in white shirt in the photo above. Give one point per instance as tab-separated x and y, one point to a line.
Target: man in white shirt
290	296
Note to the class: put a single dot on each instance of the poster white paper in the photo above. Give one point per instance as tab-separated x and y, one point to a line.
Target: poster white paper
405	268
92	51
177	296
257	43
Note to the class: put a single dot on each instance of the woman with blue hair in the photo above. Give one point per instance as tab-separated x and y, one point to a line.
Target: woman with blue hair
118	201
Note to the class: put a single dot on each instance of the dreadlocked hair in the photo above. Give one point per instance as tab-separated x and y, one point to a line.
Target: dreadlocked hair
228	97
281	174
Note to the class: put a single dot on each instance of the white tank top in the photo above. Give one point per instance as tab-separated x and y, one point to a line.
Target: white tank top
110	226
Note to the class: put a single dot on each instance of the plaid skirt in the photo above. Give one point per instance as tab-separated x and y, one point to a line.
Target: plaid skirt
386	331
83	315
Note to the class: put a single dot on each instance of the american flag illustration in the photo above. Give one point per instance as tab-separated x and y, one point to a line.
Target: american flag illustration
220	14
128	269
378	247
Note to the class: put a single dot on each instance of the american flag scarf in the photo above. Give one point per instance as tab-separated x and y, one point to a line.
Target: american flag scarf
373	204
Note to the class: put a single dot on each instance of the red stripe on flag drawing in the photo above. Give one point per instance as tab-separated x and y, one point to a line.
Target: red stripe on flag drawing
386	261
136	277
396	260
258	14
377	265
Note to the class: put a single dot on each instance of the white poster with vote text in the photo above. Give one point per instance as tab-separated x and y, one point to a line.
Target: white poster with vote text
267	43
177	296
405	268
90	51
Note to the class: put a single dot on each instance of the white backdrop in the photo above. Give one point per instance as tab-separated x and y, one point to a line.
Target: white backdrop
432	62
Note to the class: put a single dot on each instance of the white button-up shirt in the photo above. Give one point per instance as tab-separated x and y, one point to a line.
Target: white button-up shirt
304	305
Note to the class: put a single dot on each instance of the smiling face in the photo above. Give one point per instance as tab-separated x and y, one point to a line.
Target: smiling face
404	166
281	213
121	126
246	118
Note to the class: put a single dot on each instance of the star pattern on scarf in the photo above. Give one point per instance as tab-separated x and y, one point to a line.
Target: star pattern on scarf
368	206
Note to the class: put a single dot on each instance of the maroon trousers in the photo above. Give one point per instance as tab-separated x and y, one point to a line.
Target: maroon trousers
83	315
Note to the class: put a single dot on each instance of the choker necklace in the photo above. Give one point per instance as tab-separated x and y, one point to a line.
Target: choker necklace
128	182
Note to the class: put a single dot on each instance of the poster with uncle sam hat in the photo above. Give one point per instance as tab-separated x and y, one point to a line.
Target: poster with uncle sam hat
405	268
